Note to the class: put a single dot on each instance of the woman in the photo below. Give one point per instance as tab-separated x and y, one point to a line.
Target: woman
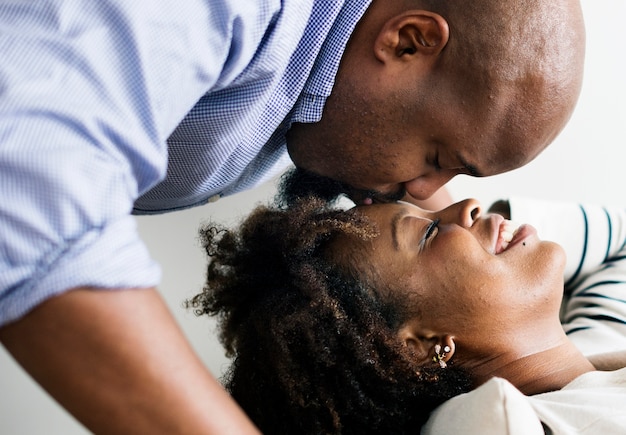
365	320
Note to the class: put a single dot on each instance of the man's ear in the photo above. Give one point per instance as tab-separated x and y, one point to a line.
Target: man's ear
427	346
411	34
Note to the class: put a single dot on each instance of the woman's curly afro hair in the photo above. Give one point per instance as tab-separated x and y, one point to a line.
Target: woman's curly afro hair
314	350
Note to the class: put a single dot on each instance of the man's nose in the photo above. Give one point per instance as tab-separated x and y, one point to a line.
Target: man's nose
423	187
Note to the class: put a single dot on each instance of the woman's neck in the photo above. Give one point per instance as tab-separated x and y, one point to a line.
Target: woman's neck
547	370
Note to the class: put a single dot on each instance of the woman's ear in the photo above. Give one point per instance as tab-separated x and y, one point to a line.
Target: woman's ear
412	35
444	350
427	346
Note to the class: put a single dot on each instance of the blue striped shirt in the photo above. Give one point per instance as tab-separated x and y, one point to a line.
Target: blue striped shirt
109	107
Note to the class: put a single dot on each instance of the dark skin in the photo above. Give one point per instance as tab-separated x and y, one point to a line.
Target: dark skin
311	345
109	378
492	328
408	111
347	306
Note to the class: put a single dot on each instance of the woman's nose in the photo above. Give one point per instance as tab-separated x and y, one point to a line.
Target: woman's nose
463	213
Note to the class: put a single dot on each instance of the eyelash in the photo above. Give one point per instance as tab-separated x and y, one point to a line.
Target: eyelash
435	162
430	231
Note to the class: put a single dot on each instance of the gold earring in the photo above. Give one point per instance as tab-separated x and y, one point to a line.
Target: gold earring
439	355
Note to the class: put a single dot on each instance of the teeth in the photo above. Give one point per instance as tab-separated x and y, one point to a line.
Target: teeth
509	229
506	236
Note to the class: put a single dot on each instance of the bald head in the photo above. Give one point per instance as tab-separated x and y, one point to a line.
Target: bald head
428	89
522	58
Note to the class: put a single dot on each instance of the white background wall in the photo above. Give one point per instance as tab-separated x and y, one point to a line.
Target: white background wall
586	163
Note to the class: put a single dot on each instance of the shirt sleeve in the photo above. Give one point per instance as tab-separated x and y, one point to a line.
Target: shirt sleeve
89	92
594	238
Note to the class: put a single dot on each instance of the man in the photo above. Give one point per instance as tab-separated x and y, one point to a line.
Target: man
107	108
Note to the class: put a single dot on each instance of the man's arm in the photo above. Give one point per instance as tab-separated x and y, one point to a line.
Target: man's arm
119	363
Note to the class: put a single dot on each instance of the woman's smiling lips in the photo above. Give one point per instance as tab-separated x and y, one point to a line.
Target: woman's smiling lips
506	234
521	234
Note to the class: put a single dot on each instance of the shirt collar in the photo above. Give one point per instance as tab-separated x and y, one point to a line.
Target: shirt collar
322	78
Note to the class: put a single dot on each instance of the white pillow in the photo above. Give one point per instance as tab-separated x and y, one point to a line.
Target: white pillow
494	408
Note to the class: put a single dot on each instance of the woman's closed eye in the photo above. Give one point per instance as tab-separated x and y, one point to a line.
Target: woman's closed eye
429	234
